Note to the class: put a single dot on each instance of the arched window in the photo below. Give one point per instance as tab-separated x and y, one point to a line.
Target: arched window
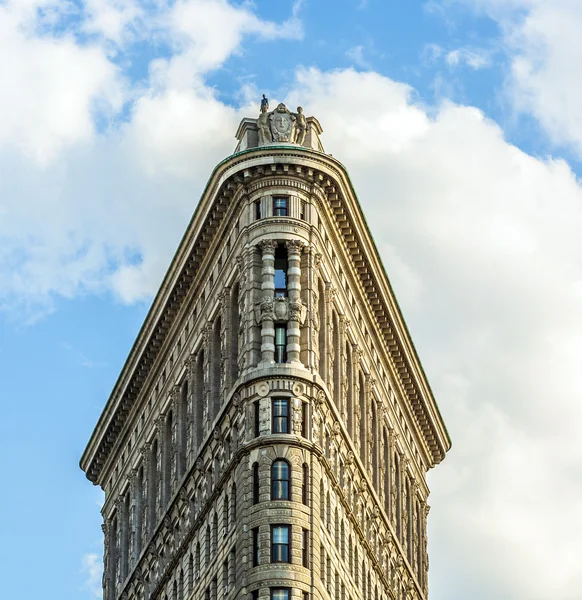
207	549
225	513
233	503
197	562
214	533
280	476
255	483
190	573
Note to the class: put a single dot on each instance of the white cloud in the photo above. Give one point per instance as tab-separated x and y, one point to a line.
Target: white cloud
92	567
356	55
479	238
480	241
72	81
542	40
476	59
81	208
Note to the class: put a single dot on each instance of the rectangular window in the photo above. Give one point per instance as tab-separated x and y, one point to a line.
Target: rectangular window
305	486
280	344
255	483
258	212
302	212
280	410
280	594
255	546
305	548
255	595
281	265
256	416
280	206
280	535
304	419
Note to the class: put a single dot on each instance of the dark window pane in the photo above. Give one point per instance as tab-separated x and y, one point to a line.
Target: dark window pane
280	543
280	344
280	480
280	207
280	415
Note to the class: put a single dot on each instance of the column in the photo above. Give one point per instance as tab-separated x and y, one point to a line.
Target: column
134	517
108	560
190	441
254	268
328	333
372	433
226	337
175	439
158	470
294	296
123	526
341	357
267	299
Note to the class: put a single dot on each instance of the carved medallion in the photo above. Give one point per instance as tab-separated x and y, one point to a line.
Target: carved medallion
263	389
281	121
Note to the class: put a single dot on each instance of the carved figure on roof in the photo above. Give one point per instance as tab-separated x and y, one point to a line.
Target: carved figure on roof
282	121
264	129
300	126
264	104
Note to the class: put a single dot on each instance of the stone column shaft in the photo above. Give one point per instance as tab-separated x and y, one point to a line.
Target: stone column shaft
294	296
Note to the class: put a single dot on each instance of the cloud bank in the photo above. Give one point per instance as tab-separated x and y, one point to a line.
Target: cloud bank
479	239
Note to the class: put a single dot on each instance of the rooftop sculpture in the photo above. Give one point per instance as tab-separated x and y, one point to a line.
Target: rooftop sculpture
279	126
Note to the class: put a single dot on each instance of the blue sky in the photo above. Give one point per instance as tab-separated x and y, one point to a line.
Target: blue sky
458	121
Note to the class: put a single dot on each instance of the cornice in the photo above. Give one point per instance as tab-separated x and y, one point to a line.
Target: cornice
230	179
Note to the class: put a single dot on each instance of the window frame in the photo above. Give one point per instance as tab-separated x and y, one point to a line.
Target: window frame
281	348
256	484
280	589
284	208
256	547
274	546
280	428
287	496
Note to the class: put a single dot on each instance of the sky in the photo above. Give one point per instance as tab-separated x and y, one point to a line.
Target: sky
459	123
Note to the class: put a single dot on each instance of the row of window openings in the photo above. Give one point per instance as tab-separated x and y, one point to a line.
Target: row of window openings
279	594
281	545
280	481
279	417
280	208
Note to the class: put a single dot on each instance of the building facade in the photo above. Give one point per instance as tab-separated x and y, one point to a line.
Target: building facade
270	433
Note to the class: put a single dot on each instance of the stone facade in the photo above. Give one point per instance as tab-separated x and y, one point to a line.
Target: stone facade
271	430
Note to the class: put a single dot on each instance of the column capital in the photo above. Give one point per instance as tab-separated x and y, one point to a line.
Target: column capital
267	246
294	246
